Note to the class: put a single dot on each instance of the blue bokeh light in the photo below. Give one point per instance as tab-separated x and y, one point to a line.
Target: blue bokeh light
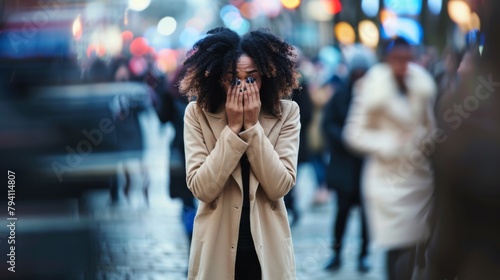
407	28
404	7
435	6
156	40
370	7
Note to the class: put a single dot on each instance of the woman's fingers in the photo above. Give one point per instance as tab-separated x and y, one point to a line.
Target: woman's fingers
245	98
253	90
240	98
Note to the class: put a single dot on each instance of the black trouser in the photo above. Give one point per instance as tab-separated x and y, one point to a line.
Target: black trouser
345	201
247	266
400	263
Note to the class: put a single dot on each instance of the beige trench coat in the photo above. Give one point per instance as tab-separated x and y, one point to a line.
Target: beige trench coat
213	154
396	134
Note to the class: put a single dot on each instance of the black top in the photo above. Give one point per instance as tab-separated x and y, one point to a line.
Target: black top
245	241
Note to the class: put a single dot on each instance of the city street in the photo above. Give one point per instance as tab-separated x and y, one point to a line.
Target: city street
137	242
96	136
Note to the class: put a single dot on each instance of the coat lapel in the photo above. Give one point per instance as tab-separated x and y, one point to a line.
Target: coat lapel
267	122
217	121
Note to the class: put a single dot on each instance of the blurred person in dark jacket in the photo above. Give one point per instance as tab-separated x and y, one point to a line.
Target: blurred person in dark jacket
97	72
466	240
172	107
344	169
129	134
321	90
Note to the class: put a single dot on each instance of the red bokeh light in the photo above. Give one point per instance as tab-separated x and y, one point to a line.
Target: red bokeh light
333	6
249	10
138	65
139	46
127	36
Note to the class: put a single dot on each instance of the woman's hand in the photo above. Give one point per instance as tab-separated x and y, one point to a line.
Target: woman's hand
251	103
234	107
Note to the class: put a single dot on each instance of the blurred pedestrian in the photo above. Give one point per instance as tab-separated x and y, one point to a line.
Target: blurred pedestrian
389	120
465	243
344	169
447	77
241	140
129	136
97	72
320	91
170	107
302	98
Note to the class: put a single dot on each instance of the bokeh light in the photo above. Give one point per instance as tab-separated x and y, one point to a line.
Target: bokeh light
228	13
370	7
139	46
290	4
329	56
77	28
138	5
232	18
138	65
408	28
127	36
249	10
112	40
332	6
459	11
166	26
317	10
167	60
155	39
270	8
390	24
189	36
368	33
240	26
406	7
475	22
435	6
386	15
345	33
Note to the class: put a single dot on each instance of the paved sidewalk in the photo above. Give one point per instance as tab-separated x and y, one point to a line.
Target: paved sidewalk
140	243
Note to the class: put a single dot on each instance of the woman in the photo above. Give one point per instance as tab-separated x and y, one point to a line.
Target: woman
390	121
241	142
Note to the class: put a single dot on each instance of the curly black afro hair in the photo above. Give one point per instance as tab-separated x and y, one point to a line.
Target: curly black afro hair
216	54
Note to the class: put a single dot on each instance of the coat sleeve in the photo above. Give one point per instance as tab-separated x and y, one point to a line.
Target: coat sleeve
275	167
361	136
208	171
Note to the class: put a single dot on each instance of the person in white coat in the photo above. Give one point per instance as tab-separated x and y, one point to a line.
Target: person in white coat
390	121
